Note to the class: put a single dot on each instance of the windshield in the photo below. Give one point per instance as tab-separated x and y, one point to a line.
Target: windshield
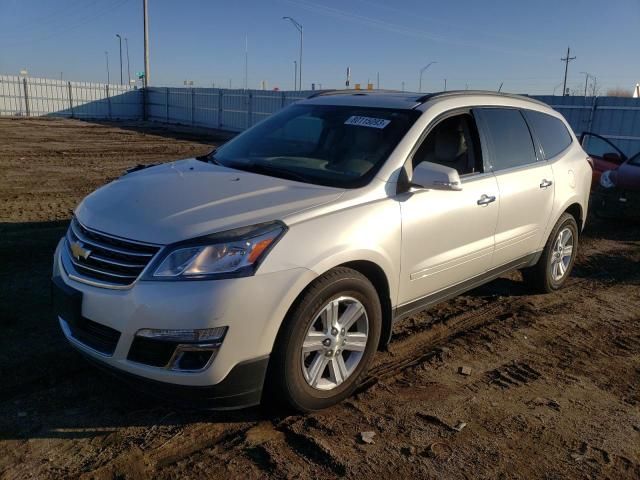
338	146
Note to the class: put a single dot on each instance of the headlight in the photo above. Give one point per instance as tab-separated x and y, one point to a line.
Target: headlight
606	181
234	253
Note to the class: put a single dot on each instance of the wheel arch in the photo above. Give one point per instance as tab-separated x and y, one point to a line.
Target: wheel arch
376	275
575	210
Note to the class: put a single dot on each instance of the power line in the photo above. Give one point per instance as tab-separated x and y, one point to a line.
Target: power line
87	19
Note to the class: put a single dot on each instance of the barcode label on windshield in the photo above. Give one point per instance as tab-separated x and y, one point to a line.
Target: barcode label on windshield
367	122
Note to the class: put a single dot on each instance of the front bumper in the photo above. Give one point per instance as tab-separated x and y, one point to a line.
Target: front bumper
252	309
615	203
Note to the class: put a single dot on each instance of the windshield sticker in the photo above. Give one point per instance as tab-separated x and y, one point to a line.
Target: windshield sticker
367	122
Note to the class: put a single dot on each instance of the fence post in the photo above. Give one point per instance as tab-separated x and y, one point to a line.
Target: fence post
108	100
220	111
26	96
145	103
284	99
249	108
193	106
166	102
70	98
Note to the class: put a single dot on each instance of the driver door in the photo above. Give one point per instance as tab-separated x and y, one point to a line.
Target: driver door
448	236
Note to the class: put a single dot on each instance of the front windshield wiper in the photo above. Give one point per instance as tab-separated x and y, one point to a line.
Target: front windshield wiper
270	169
209	157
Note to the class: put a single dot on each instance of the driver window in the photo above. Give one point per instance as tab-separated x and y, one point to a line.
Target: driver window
454	143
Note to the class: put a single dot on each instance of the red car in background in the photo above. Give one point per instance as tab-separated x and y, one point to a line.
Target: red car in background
615	188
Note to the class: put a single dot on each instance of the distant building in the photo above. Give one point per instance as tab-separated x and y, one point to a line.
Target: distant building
636	91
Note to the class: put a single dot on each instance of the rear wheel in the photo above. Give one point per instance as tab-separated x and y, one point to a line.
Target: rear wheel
559	254
327	342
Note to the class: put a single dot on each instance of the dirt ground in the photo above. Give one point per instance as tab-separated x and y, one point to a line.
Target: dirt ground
553	391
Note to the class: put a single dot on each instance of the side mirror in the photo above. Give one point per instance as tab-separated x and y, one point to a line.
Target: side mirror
429	175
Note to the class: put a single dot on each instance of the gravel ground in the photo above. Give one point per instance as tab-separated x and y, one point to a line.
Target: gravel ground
553	389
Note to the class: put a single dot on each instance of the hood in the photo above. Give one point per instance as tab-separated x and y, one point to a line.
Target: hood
189	198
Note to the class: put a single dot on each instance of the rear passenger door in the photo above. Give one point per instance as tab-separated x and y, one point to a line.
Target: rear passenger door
525	183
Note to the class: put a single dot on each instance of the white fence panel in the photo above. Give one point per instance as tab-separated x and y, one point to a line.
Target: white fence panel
35	97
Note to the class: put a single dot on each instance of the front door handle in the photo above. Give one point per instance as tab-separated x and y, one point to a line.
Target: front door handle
545	183
486	199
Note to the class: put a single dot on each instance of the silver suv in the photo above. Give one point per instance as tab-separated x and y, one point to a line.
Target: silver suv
277	265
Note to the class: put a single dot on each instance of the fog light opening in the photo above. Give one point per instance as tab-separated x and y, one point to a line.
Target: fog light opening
194	360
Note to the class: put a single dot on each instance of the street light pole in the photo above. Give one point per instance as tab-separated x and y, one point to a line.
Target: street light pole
299	28
422	70
295	75
106	54
126	43
120	40
147	73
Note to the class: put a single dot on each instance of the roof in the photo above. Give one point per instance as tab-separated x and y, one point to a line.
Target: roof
399	100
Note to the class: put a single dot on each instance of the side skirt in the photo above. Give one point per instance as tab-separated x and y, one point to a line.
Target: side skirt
415	306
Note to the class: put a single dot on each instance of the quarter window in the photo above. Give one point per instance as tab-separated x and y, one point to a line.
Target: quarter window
508	137
551	132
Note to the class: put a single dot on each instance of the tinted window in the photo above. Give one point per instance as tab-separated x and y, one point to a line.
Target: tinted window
551	132
342	146
508	138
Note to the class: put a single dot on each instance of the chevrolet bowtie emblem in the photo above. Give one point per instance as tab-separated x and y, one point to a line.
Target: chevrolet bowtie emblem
79	251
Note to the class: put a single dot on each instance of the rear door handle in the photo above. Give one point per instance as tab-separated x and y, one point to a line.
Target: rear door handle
486	199
545	183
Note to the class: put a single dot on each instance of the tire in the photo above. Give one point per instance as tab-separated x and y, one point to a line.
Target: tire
293	375
544	276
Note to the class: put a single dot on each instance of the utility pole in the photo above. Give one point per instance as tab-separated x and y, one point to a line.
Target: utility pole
106	54
445	84
378	81
147	72
403	86
126	43
566	61
295	75
120	40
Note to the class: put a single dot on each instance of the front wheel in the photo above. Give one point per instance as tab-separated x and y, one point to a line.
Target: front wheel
327	342
557	259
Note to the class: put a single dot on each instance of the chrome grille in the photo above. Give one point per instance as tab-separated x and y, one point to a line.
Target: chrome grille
107	259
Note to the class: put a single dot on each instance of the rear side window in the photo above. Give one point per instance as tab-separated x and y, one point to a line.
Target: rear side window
508	138
551	132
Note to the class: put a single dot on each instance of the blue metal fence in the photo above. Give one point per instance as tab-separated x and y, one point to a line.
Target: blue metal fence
615	118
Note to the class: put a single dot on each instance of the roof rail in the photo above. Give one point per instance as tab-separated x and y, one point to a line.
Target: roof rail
454	93
322	93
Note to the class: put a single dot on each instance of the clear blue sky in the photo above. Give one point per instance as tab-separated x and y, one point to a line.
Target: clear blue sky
478	44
